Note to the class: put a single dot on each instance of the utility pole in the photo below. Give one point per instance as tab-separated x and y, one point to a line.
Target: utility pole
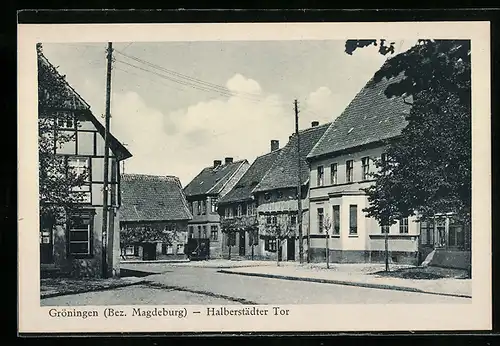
299	186
105	208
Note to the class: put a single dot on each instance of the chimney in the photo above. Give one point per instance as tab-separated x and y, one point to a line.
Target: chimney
228	160
217	163
275	144
314	123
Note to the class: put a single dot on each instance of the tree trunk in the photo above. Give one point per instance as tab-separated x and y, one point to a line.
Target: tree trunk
278	252
327	252
229	250
386	244
252	249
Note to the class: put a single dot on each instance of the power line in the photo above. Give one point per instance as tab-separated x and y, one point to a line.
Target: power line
198	87
192	79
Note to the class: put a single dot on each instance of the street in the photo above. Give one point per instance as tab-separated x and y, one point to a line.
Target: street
179	285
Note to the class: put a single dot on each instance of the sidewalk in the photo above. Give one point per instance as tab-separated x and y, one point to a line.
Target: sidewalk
436	281
157	267
55	287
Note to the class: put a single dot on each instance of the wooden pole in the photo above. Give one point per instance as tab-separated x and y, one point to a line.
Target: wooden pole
105	208
299	187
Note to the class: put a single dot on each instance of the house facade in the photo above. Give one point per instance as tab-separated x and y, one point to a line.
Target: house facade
276	197
153	218
340	167
74	246
238	210
202	195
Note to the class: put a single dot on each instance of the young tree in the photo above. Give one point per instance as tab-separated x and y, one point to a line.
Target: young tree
327	225
279	229
59	185
428	170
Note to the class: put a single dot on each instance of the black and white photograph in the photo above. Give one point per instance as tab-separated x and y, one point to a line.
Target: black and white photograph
236	180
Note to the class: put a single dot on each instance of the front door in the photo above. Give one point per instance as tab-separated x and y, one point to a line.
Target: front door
242	243
149	252
290	249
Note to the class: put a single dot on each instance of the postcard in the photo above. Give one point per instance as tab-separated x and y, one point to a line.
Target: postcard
254	177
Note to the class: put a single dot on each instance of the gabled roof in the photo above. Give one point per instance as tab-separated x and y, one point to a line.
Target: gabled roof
72	100
152	198
243	189
369	118
284	171
212	180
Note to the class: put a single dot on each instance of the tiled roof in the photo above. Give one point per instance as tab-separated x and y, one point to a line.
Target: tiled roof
212	181
152	198
243	189
74	101
283	173
370	117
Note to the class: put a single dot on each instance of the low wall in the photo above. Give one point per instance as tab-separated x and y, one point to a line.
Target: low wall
455	259
363	256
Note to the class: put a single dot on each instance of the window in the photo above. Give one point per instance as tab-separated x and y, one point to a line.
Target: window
268	220
427	232
293	220
321	217
190	234
214	233
167	249
250	209
204	231
383	158
130	251
199	231
365	163
198	205
353	219
244	209
213	205
336	219
321	174
267	196
231	239
274	220
279	194
229	212
349	171
204	207
456	235
80	235
333	174
80	167
384	229
253	238
191	207
270	244
403	225
180	249
65	121
239	210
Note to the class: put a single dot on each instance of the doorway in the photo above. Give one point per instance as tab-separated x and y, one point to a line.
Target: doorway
290	249
149	251
242	243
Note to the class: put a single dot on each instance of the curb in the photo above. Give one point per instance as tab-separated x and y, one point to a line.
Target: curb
153	261
206	293
59	294
346	283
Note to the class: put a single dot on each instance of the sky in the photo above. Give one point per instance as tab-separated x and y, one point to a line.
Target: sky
178	106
